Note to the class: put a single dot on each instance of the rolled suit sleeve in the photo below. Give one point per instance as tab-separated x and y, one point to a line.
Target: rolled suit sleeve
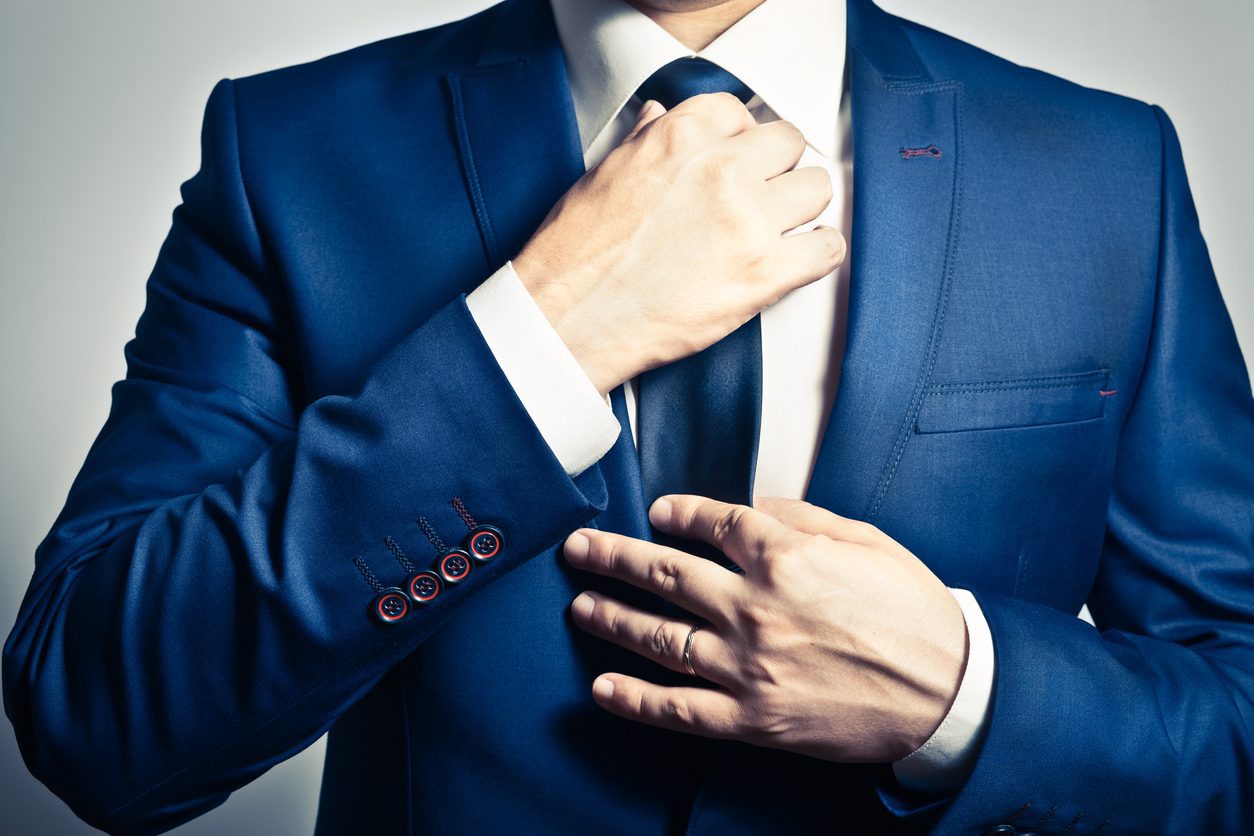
195	615
1146	723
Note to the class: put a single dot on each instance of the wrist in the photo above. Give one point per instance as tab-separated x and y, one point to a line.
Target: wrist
950	656
575	321
946	759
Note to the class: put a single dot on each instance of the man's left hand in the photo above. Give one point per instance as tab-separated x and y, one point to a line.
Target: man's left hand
836	642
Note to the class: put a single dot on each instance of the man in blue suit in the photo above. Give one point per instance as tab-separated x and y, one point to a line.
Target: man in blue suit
481	530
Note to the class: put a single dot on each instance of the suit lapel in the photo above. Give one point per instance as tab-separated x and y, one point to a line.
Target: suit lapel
516	132
905	212
519	145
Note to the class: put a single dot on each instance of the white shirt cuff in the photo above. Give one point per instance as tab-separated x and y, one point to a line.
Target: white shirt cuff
944	762
575	420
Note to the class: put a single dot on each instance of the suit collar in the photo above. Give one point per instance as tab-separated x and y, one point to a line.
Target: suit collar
881	40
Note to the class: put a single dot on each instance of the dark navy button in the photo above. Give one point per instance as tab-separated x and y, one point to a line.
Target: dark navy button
1001	830
391	606
454	565
485	542
424	586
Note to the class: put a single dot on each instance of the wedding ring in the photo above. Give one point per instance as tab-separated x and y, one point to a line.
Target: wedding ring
688	650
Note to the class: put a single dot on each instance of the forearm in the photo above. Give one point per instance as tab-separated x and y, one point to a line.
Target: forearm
200	639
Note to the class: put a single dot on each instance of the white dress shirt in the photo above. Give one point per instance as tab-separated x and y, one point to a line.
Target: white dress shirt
791	53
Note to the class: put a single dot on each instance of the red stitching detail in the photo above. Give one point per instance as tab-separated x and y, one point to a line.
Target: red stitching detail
396	551
929	151
367	574
429	530
1106	393
1018	812
460	508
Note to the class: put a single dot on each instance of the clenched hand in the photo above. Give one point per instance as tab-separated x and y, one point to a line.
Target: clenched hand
678	237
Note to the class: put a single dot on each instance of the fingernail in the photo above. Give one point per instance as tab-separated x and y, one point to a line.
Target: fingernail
660	513
844	247
582	606
576	548
603	688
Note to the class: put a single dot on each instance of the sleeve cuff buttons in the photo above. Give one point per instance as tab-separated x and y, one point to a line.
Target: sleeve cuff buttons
391	606
423	587
484	542
454	566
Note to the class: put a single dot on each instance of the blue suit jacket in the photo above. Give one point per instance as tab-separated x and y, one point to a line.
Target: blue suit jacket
1042	398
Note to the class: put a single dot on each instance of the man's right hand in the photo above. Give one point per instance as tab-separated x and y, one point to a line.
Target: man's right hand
677	237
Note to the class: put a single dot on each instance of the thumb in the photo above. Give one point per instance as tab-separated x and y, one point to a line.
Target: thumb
649	111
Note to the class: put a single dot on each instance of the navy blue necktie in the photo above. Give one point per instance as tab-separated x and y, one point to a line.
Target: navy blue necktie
698	418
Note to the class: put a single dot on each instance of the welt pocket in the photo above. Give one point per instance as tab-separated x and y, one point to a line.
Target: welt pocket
1004	404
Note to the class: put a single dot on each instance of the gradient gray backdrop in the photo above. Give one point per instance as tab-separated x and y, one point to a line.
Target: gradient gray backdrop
100	108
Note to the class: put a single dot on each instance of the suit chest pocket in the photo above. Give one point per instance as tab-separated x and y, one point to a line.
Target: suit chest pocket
1006	404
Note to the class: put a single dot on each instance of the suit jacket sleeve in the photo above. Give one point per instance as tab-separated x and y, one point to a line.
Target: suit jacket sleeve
1145	724
195	615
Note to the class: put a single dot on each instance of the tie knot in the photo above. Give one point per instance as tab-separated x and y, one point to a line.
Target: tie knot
684	78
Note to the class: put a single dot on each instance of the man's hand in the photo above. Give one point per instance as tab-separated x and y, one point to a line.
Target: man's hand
677	237
836	642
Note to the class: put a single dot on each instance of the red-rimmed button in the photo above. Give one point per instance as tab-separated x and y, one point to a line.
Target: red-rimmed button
391	606
454	566
485	542
424	586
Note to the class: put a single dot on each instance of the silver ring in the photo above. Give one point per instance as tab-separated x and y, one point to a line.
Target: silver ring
688	649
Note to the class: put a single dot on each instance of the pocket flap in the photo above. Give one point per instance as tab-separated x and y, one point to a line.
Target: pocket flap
1028	402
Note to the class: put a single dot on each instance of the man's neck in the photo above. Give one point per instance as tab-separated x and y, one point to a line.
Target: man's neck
698	27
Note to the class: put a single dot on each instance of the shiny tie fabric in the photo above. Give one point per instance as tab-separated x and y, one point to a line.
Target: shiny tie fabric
698	418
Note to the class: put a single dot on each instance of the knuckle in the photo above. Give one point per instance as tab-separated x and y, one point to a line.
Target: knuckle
821	540
660	641
711	102
793	133
678	130
783	550
728	522
769	559
634	699
610	551
665	575
675	710
756	672
611	622
754	619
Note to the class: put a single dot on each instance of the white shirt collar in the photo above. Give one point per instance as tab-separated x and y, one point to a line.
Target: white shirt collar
790	52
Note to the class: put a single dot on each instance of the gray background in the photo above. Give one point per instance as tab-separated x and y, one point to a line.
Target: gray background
101	106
